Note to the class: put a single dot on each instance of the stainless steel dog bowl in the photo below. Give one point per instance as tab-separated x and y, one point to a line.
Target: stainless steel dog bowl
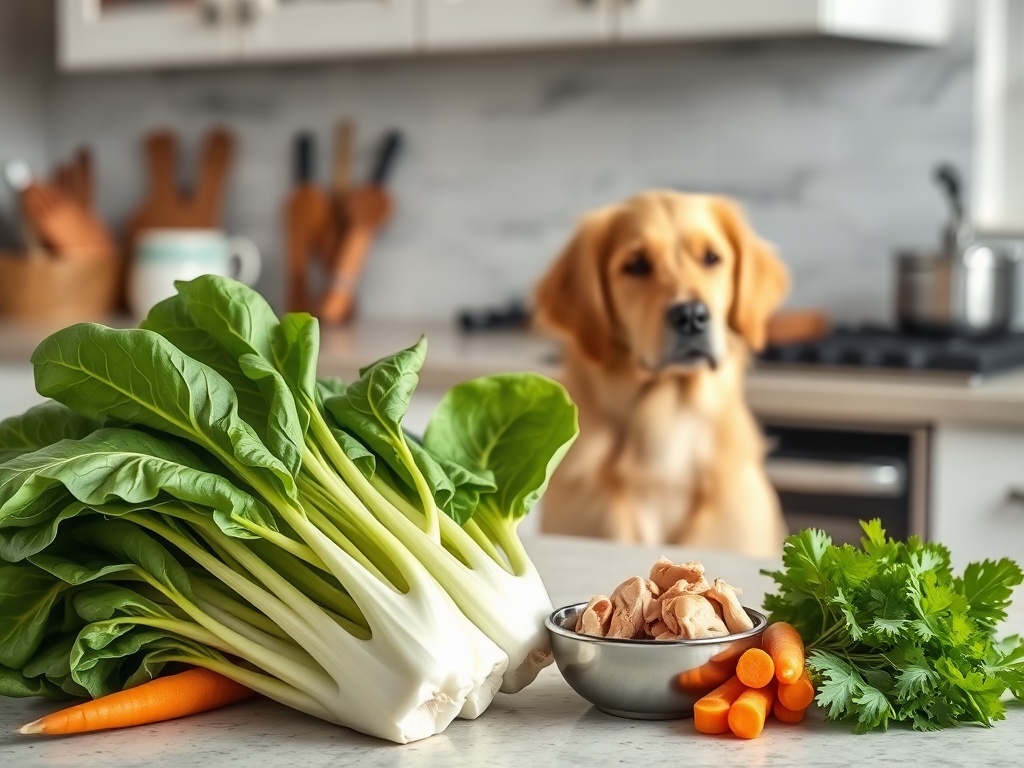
645	679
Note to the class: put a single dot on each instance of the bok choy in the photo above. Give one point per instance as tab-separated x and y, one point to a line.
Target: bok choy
198	496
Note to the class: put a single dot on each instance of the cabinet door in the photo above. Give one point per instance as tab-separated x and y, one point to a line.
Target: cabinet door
998	172
482	24
923	22
977	505
295	29
99	34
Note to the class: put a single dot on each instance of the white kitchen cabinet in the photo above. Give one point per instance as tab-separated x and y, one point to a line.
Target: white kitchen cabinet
105	34
977	489
295	29
922	22
479	24
998	182
102	34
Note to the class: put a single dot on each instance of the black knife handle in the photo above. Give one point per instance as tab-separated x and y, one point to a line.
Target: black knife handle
305	149
386	157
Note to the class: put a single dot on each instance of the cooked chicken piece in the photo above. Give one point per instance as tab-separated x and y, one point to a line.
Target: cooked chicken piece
692	617
684	587
652	609
669	636
665	573
660	631
596	617
629	600
736	619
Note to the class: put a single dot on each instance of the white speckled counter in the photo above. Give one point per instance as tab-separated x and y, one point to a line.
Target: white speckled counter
546	724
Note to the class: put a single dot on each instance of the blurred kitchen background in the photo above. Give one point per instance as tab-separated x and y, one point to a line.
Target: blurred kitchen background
510	118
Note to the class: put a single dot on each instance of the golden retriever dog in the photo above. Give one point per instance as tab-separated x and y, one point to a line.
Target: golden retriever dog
658	301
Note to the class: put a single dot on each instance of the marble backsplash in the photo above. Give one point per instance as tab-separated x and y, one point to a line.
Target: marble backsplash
828	143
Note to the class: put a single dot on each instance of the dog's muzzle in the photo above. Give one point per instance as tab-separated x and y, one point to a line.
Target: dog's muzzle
688	341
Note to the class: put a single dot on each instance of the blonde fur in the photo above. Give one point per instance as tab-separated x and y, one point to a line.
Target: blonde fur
667	453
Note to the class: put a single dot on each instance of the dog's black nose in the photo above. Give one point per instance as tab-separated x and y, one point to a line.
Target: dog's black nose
689	317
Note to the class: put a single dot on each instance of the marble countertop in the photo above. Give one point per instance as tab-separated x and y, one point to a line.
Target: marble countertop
774	394
545	724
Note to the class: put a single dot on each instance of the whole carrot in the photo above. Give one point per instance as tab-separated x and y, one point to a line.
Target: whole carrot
784	644
755	668
186	693
711	713
798	695
749	712
786	715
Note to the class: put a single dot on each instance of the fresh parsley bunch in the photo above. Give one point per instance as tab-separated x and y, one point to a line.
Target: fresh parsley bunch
893	635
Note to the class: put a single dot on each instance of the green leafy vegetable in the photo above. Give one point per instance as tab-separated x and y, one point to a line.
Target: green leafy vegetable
199	496
893	636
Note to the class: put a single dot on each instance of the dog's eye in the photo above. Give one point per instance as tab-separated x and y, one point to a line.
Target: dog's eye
711	258
638	265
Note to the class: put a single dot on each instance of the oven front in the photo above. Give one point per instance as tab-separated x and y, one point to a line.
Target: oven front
833	476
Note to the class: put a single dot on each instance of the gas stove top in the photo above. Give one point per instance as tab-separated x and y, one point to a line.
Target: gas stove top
877	349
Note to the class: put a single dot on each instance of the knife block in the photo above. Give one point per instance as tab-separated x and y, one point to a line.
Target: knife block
39	289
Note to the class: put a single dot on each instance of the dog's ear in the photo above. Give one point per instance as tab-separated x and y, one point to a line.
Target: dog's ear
571	299
760	279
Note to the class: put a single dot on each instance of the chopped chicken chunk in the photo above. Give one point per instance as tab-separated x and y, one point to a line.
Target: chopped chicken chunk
692	617
665	573
628	602
596	617
736	619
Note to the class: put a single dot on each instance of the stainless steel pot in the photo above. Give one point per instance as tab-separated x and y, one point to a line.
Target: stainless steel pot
970	292
967	287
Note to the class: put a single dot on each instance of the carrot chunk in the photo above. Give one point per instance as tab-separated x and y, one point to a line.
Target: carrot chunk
186	693
784	644
749	712
711	713
786	715
798	695
755	668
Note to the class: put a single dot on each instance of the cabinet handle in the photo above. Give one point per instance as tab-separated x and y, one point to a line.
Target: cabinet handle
1015	496
248	12
211	13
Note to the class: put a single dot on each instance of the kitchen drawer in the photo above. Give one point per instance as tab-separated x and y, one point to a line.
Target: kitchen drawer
977	485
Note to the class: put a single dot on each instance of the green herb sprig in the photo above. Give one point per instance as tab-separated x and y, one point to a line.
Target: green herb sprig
893	635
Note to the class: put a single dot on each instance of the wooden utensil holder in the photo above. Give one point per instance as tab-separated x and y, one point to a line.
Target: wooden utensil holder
38	288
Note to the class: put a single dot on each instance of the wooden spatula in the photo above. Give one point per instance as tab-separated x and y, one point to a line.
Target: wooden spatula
207	202
367	209
341	180
162	204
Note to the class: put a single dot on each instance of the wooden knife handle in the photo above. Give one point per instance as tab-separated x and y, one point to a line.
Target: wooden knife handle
339	299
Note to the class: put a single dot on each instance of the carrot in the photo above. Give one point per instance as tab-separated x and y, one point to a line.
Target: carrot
786	715
784	644
702	679
755	668
750	710
798	695
186	693
711	713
